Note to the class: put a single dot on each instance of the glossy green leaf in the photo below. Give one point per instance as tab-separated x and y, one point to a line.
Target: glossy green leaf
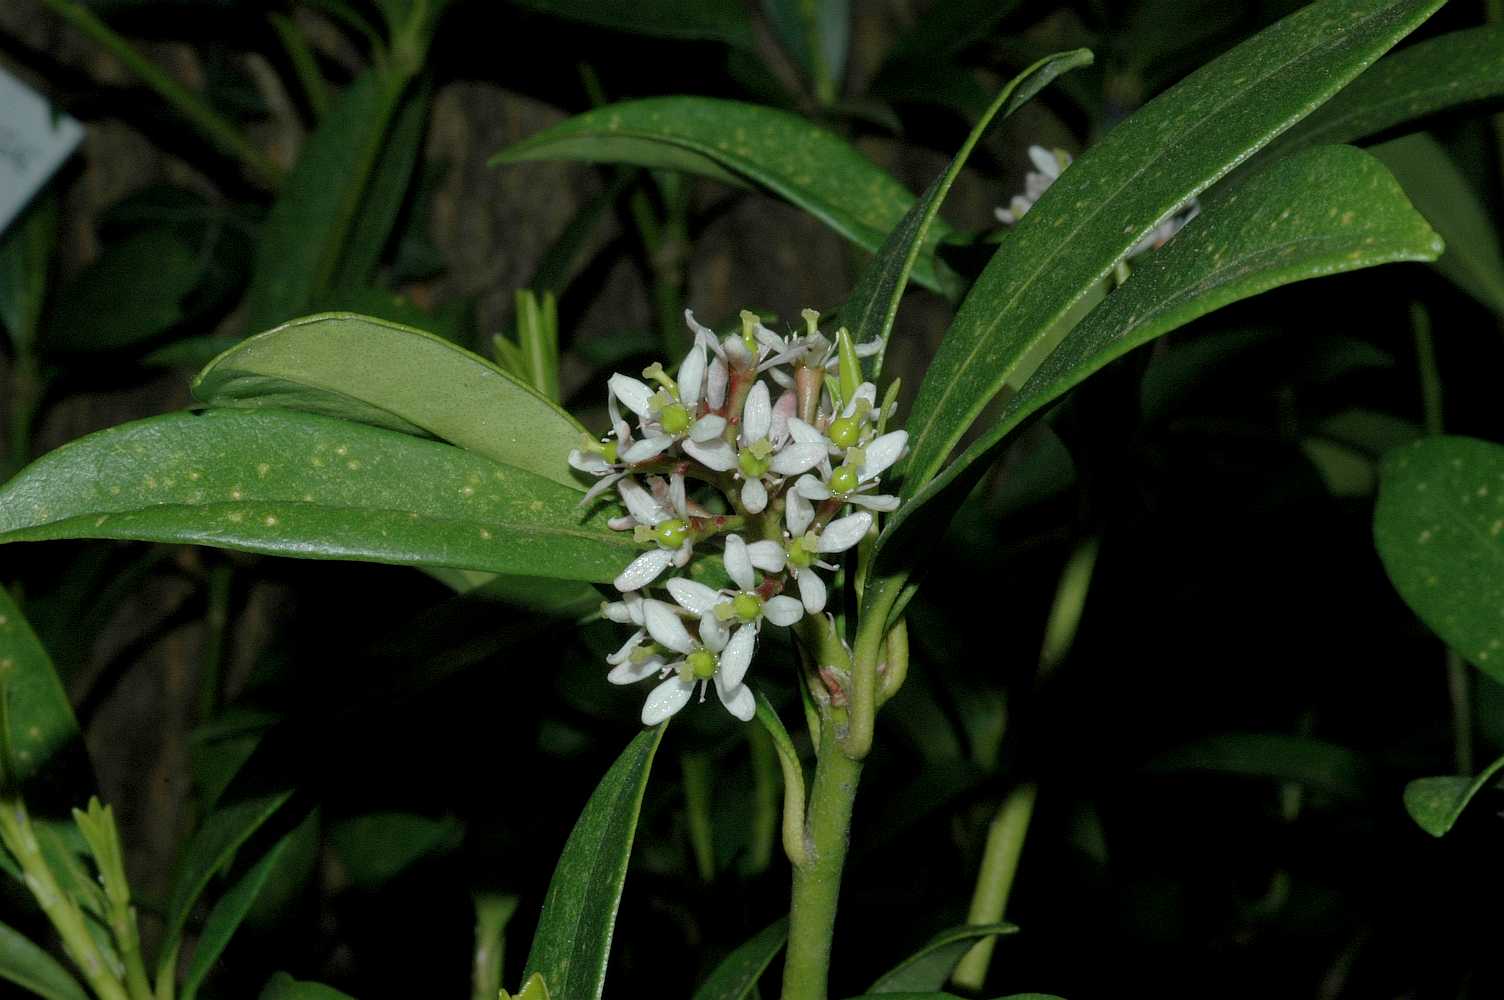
931	966
1315	763
42	727
307	234
25	259
1439	526
29	967
726	21
1419	80
874	303
816	34
133	292
378	847
284	987
1436	803
225	919
307	486
1324	211
1473	261
405	379
736	977
743	144
1141	172
573	940
206	853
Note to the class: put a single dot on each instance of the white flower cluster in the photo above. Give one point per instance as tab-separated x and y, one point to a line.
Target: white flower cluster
788	460
1048	165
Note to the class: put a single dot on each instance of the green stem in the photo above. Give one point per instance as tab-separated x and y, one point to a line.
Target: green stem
304	64
216	623
1005	842
817	882
696	771
215	128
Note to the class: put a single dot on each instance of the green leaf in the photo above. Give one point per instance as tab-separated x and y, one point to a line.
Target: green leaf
573	940
743	144
1419	80
712	20
1324	211
1473	261
1436	803
284	987
32	969
378	847
1120	189
1315	763
225	919
816	34
736	977
931	966
44	734
207	853
133	292
874	303
405	379
308	232
25	258
1439	527
306	486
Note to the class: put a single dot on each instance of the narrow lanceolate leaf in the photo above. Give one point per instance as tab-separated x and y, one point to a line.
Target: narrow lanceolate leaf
1419	80
369	370
573	940
736	977
1473	261
1143	171
25	256
1317	764
931	966
1439	526
284	987
726	21
43	730
1325	211
24	963
225	919
1436	803
874	303
743	144
309	228
307	486
212	846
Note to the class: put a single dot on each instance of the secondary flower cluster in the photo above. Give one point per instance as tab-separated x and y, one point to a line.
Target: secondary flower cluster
758	446
1048	165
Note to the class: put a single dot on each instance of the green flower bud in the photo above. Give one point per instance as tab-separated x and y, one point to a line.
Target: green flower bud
843	480
751	465
748	607
845	431
849	365
801	551
674	418
702	664
671	533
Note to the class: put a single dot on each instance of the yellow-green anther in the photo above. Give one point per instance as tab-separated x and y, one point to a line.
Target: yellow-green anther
850	366
701	664
748	607
674	418
750	321
656	373
811	321
671	533
845	431
750	464
843	480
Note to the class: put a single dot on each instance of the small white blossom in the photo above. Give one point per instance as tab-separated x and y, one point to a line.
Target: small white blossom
713	656
653	520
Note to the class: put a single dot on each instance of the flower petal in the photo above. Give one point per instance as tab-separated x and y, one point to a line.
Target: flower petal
767	555
803	433
717	454
738	563
677	498
782	610
812	591
588	462
796	458
633	641
713	634
707	428
754	496
692	377
601	486
783	411
882	453
665	626
648	447
874	501
844	532
629	672
643	570
737	656
798	513
716	377
811	488
633	393
757	414
627	611
640	502
739	700
693	596
666	699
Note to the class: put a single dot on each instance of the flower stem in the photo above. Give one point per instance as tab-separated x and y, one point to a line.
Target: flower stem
817	882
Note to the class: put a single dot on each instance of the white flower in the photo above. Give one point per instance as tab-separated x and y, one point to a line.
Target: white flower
1047	168
671	412
713	656
651	519
1162	233
804	545
857	476
744	607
